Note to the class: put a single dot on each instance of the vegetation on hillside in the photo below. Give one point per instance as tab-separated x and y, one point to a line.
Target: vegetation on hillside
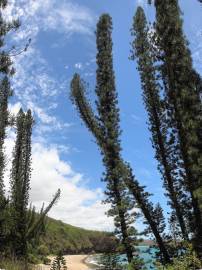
73	240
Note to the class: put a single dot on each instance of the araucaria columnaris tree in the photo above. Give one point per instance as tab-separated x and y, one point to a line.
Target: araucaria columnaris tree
26	226
6	71
105	128
109	124
20	182
142	50
184	103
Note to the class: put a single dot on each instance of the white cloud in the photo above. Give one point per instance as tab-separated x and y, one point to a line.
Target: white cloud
14	108
89	74
69	17
141	2
78	65
34	83
42	15
36	87
78	205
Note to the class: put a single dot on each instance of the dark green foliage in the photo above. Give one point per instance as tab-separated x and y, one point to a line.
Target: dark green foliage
59	262
157	116
172	96
148	211
108	117
106	130
186	261
159	218
109	261
26	225
184	104
136	263
4	95
74	240
20	181
6	71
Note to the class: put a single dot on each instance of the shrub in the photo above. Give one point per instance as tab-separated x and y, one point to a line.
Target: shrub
43	250
13	265
188	261
59	262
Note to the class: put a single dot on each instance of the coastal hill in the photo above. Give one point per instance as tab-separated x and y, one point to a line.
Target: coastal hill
73	240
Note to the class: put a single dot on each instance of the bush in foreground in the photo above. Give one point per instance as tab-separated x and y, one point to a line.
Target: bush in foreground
14	265
188	261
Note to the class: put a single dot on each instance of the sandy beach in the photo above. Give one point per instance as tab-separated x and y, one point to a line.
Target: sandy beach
74	262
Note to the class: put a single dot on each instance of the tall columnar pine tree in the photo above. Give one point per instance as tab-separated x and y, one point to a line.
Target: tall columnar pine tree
6	71
105	128
157	118
20	181
184	103
26	226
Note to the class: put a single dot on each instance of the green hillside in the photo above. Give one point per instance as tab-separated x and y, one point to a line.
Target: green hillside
73	240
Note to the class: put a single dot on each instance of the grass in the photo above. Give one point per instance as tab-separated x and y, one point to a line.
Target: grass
16	265
13	265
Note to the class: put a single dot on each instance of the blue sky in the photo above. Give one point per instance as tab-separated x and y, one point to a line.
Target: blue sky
64	153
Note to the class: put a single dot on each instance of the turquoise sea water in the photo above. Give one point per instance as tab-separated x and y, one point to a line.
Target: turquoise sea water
148	255
145	252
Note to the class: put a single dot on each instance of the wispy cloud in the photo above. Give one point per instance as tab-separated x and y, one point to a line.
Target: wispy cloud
36	89
136	118
42	15
78	65
35	83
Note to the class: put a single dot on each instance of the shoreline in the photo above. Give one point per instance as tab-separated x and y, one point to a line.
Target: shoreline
90	264
73	262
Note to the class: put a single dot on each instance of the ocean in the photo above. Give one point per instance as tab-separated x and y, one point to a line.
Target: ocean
145	252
